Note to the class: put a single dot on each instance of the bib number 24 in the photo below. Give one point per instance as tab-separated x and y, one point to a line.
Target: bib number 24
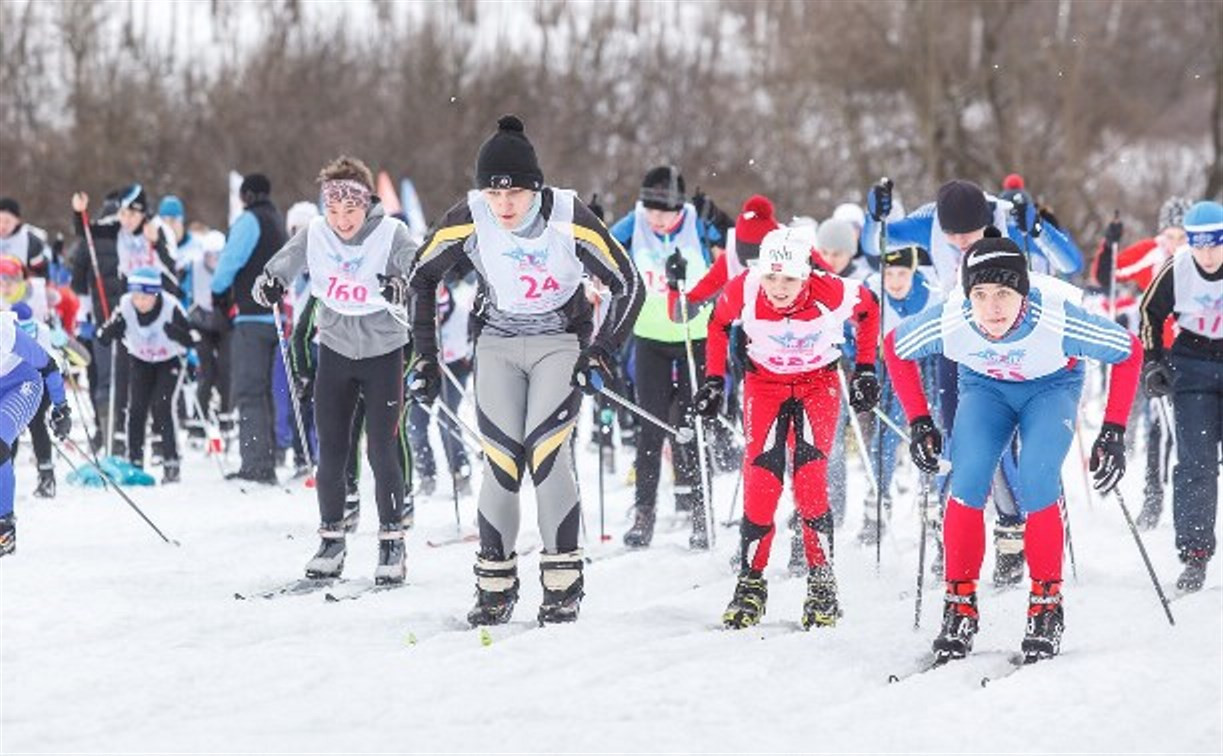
536	287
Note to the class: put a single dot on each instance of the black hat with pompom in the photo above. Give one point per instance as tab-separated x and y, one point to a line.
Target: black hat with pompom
507	159
995	259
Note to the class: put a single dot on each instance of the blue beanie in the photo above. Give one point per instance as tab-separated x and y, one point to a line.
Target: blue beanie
1204	224
144	280
22	311
171	207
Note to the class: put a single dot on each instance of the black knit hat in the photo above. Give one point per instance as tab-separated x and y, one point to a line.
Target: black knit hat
10	206
663	189
507	158
995	259
909	256
132	196
255	184
962	207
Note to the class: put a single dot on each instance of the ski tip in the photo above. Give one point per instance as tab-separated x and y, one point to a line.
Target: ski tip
893	679
239	596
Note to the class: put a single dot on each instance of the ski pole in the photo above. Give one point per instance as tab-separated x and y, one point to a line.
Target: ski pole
697	421
883	236
454	381
857	429
297	410
441	406
734	501
106	476
67	460
1146	559
1074	568
682	435
605	415
111	397
944	465
921	551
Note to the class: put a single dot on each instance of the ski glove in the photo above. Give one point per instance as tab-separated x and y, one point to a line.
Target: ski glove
425	381
864	389
1156	379
879	200
591	371
708	398
395	290
1108	457
61	420
926	444
268	290
677	270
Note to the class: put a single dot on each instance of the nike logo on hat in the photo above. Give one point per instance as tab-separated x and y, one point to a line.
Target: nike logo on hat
978	259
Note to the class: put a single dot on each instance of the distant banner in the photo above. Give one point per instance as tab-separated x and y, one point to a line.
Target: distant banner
412	209
386	193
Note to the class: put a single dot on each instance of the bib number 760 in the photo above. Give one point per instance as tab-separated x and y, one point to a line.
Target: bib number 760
346	292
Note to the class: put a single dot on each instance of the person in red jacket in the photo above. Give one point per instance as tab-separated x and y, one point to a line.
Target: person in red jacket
742	248
793	318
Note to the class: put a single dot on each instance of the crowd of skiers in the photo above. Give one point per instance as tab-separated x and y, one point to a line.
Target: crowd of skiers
738	344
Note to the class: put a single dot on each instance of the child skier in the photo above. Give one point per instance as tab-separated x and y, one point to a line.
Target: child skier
1190	286
26	370
156	334
1018	340
357	257
793	319
529	245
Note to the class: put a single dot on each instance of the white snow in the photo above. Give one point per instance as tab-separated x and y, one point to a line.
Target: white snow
113	641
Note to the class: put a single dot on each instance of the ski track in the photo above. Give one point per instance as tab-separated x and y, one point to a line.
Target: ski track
113	641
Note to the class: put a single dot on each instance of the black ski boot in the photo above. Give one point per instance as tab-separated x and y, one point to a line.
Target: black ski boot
1008	552
746	607
1194	575
496	591
642	532
170	471
46	481
328	561
960	620
561	577
1043	638
391	567
352	509
8	534
820	609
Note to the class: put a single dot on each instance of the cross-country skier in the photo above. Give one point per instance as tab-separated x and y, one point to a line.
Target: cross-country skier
26	370
794	323
1018	339
1190	287
530	245
358	258
156	334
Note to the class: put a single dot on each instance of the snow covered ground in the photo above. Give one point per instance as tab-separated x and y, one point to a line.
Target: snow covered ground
113	641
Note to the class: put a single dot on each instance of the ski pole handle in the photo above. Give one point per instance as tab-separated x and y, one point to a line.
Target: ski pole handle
682	435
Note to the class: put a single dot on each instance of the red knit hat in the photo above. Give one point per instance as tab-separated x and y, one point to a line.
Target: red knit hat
755	220
1012	181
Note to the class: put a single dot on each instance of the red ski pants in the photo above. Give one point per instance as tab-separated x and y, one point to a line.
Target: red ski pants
788	423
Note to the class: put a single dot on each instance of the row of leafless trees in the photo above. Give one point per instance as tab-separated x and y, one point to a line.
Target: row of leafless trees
1101	104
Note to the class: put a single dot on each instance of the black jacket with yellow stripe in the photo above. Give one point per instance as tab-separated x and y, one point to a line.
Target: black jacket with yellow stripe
453	243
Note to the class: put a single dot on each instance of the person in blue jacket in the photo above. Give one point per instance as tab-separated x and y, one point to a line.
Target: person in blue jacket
26	370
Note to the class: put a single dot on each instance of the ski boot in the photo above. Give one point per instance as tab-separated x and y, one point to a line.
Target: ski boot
746	607
391	556
8	534
46	481
352	510
1043	638
1194	575
561	577
170	471
1008	552
642	532
496	591
820	609
960	620
798	552
328	561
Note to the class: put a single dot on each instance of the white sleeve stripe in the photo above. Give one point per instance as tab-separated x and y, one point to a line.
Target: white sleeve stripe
919	337
1090	328
1121	346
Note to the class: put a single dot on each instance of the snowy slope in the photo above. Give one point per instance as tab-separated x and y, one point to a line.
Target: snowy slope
112	641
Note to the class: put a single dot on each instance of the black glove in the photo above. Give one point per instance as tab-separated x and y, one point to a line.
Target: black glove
61	420
926	444
1112	233
708	398
395	290
677	270
425	381
222	302
1156	378
879	200
591	371
864	389
1108	457
268	290
1021	211
303	386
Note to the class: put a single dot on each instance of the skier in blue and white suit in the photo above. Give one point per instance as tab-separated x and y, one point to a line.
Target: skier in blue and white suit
947	228
25	367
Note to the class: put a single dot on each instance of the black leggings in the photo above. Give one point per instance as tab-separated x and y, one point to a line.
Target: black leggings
151	385
339	382
663	389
